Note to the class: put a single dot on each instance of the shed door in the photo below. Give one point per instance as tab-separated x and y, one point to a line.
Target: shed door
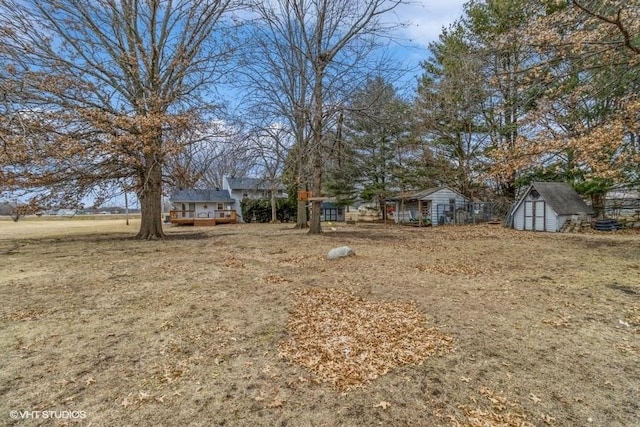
534	215
539	216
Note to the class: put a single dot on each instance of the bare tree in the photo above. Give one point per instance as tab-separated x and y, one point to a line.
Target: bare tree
271	145
208	154
278	85
333	31
99	86
326	39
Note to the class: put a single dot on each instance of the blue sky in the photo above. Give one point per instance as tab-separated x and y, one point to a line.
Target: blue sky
427	17
424	20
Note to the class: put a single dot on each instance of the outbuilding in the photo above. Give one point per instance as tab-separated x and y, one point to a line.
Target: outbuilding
547	206
433	206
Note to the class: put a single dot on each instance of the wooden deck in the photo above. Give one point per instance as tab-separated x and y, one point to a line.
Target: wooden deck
189	218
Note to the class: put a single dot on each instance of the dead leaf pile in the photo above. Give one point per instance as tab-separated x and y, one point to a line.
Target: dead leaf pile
347	341
452	269
561	321
494	410
23	315
633	317
274	279
232	262
299	261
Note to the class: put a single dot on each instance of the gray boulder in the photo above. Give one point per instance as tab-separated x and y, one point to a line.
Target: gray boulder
341	252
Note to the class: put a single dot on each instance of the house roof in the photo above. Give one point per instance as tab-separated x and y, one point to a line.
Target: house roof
250	184
204	195
622	191
422	194
560	196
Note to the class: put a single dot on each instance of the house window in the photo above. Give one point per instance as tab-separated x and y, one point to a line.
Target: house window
220	206
331	214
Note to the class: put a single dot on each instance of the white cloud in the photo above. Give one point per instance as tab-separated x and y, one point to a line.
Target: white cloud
426	19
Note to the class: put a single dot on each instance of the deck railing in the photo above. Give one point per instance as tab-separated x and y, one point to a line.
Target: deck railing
221	214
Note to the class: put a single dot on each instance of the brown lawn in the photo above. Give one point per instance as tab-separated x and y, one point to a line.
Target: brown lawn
250	325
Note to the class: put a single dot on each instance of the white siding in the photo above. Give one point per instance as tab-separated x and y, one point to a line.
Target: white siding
551	220
523	220
561	221
440	205
518	217
210	210
236	195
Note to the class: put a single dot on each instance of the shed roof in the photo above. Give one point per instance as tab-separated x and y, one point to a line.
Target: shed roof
250	184
204	195
561	197
422	194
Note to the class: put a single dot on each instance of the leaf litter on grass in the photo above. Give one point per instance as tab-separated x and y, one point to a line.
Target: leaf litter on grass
348	341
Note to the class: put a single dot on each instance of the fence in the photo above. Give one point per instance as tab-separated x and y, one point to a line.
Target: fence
450	213
468	213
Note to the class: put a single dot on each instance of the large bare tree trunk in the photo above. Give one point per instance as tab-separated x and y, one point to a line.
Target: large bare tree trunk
302	221
151	201
274	207
301	218
316	205
318	134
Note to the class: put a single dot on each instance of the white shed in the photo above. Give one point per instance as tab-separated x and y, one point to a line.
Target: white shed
433	206
546	206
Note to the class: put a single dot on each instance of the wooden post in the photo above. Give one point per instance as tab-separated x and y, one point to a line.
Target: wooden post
419	212
126	207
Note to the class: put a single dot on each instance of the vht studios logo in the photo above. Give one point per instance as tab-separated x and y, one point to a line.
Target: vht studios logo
60	415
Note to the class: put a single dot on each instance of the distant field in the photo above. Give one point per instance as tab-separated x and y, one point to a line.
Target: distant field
198	329
36	218
33	227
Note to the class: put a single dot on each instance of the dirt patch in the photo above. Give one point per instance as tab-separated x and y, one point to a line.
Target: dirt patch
188	331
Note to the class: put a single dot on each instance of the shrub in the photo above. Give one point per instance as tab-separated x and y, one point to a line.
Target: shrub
259	210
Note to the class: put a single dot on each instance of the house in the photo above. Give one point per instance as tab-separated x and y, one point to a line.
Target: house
433	206
330	211
252	188
202	207
547	206
211	207
622	201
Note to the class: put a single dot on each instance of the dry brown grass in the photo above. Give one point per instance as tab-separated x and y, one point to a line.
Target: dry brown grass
188	331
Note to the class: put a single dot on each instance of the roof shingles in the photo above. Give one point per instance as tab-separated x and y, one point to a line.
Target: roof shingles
204	195
562	198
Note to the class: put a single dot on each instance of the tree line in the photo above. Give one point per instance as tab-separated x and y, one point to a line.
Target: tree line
126	95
